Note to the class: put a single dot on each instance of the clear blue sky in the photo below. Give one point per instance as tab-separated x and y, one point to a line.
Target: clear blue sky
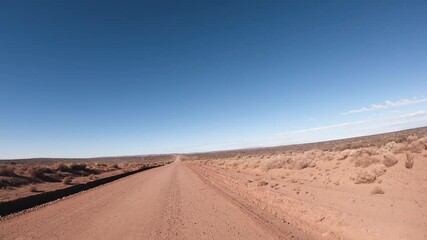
95	78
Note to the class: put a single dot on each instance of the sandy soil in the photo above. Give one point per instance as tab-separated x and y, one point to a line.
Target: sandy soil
364	188
169	202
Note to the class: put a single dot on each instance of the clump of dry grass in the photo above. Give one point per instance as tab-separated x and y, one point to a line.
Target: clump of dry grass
377	190
390	160
400	147
33	188
100	164
365	162
412	138
301	165
61	167
378	169
365	177
416	147
342	155
270	164
38	172
7	171
67	180
78	166
409	163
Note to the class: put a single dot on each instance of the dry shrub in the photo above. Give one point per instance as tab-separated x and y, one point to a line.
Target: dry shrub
61	167
311	154
21	170
271	164
78	166
365	161
412	138
377	190
14	181
66	180
370	151
115	165
409	163
400	147
262	183
342	155
359	153
301	165
390	160
100	164
389	146
38	172
234	163
378	169
365	177
32	188
7	171
416	147
424	142
328	157
253	164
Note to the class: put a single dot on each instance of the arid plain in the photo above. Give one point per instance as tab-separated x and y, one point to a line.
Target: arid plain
370	187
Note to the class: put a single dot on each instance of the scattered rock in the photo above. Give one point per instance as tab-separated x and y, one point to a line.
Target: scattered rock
262	183
377	190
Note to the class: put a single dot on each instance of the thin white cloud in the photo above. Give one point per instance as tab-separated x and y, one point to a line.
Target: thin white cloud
323	128
401	119
387	104
321	133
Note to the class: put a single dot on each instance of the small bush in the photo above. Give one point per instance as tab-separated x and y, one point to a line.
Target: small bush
7	171
412	138
365	177
37	172
416	147
409	163
365	161
301	165
62	167
400	147
66	180
270	164
377	190
378	169
32	188
100	164
390	160
342	155
78	167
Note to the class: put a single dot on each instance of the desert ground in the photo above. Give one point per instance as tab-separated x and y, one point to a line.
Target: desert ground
370	187
26	177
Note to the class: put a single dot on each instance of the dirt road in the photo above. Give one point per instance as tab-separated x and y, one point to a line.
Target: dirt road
170	202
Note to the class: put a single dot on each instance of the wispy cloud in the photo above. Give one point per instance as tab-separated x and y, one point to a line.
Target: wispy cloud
387	104
346	124
321	133
401	119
